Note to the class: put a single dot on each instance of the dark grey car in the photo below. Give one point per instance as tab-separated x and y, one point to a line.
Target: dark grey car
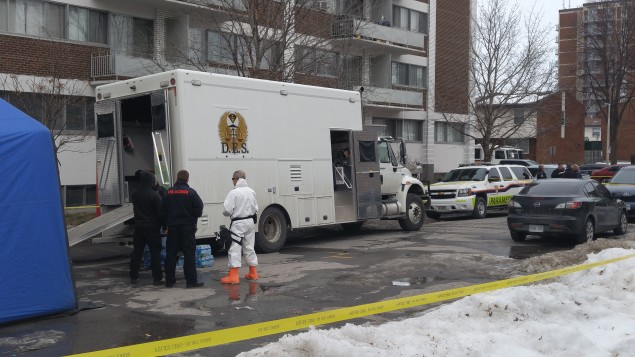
576	207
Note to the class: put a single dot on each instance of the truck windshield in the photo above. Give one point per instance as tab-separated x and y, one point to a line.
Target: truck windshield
474	174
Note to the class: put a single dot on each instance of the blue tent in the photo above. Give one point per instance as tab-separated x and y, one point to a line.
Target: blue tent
35	269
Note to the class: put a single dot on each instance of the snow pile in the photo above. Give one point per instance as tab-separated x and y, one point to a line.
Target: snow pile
588	313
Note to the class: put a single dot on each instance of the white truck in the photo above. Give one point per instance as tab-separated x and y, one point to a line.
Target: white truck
286	137
500	153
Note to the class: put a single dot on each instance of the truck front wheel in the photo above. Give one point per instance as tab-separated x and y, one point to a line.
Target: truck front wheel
480	208
414	213
272	231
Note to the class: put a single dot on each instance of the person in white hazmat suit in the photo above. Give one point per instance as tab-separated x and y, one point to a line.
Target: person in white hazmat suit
241	206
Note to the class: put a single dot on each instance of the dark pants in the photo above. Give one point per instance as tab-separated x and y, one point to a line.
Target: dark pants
151	236
181	238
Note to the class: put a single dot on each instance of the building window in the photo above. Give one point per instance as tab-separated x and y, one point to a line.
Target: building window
198	45
519	116
409	75
408	19
132	36
409	130
53	20
36	18
316	62
79	195
75	113
447	132
87	25
219	47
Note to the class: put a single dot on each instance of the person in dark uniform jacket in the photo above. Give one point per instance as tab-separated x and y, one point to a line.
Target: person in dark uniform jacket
146	203
558	172
180	210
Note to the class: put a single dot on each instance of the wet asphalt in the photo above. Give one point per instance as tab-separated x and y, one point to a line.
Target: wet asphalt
317	270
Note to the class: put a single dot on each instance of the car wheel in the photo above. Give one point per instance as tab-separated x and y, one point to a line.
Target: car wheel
517	236
623	224
433	215
587	232
480	208
353	226
272	231
414	213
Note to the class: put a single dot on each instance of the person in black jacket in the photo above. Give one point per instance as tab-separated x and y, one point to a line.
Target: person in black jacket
573	172
180	210
147	227
558	172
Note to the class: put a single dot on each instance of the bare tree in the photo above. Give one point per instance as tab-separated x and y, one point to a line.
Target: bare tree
510	68
608	63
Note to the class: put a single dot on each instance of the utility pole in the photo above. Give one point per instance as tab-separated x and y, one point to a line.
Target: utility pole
608	136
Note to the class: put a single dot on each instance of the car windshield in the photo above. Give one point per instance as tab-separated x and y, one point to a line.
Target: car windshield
624	176
473	174
551	188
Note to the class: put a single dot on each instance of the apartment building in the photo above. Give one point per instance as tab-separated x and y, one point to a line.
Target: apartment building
408	57
577	55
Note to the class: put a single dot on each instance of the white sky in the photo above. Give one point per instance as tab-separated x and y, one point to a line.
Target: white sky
588	313
549	9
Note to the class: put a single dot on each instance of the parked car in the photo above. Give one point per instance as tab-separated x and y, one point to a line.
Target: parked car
607	173
576	207
521	162
589	168
622	186
548	169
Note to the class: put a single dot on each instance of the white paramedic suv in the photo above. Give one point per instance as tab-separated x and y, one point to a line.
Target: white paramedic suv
476	189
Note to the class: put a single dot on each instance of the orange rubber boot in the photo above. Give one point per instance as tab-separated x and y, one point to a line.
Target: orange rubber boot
231	278
252	275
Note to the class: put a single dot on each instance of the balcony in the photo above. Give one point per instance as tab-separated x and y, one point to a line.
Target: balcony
380	37
110	65
391	97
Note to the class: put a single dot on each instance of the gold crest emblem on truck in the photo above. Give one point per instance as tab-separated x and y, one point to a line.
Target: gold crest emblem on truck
232	131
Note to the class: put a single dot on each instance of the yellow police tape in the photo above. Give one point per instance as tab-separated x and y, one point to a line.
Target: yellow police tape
240	333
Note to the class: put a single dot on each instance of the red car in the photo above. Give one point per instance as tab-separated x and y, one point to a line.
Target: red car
607	173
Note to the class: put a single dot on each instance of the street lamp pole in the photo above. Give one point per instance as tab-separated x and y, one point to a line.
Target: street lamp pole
608	136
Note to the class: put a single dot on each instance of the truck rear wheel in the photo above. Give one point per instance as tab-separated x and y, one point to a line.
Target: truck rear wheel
414	213
272	231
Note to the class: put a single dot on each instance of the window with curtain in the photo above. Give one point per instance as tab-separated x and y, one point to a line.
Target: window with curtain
411	130
316	62
219	47
408	129
408	75
132	36
410	20
198	45
87	25
4	15
447	132
389	127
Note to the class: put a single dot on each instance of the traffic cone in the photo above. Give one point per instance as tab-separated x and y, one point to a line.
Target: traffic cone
231	278
252	275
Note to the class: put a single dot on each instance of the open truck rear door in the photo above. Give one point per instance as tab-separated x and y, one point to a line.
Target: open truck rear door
160	138
367	175
108	153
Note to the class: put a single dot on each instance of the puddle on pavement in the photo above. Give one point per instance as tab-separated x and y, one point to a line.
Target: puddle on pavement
418	280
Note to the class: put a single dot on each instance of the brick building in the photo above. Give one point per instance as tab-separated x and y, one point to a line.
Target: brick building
408	55
575	27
